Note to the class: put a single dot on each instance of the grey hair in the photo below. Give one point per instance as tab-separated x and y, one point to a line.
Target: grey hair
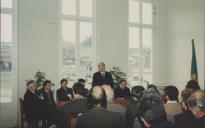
151	107
197	100
101	63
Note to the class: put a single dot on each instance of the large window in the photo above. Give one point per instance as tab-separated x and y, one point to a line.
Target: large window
8	86
77	39
8	54
140	41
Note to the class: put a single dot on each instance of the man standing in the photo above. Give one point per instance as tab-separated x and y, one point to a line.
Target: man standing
102	77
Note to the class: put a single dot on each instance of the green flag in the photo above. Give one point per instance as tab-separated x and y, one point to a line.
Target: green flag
194	72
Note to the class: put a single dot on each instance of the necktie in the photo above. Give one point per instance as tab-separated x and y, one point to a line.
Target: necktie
49	98
103	75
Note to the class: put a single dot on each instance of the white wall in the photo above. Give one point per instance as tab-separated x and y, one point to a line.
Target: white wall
112	33
184	20
38	40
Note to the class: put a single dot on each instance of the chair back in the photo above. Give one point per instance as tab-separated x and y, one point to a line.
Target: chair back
72	120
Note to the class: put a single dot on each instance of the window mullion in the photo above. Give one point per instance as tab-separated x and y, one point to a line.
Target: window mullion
77	37
140	41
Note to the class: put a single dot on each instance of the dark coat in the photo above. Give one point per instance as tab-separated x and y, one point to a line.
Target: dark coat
98	79
62	94
32	105
100	118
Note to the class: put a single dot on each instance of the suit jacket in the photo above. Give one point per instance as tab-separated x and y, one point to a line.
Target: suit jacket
75	107
172	109
62	94
98	79
100	118
119	93
132	109
185	120
32	106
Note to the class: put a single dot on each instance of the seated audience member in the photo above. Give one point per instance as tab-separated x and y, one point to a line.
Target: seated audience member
64	93
122	91
172	107
49	110
197	106
98	116
82	81
193	84
153	87
136	94
32	105
111	106
79	104
185	119
151	112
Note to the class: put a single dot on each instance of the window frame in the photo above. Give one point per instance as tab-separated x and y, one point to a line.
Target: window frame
142	26
78	19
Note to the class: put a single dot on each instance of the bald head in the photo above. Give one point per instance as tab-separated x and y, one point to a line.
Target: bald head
109	92
97	98
97	92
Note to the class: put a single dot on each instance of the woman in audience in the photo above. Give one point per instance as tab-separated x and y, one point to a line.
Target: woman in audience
136	94
151	112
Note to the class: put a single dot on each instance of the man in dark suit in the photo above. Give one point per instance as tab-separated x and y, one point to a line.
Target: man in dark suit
102	77
98	116
197	106
49	110
122	91
32	105
79	104
64	93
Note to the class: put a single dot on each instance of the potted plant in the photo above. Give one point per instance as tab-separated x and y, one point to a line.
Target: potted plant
40	77
117	75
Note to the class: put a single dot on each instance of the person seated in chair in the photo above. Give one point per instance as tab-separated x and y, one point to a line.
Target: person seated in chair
79	104
122	91
32	104
133	105
49	110
98	116
64	93
151	113
172	106
111	106
82	81
196	104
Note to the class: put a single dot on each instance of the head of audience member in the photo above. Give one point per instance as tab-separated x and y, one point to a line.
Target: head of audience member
137	92
101	67
186	93
97	98
78	89
151	108
193	84
47	85
196	104
171	93
153	87
31	85
82	81
64	83
109	92
123	84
